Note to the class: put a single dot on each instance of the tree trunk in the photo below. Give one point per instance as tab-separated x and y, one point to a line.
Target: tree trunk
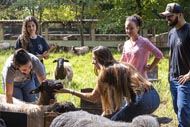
82	25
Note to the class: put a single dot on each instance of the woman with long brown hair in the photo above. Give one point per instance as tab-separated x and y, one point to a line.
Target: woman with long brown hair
115	82
32	42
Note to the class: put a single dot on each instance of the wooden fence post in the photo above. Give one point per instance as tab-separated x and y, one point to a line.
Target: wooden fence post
1	32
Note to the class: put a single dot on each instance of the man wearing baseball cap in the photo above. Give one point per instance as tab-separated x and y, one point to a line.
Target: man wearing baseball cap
179	62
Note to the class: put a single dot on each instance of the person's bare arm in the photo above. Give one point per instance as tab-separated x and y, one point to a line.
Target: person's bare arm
93	96
45	55
153	65
9	93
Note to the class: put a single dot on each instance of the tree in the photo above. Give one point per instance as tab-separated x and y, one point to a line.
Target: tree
5	3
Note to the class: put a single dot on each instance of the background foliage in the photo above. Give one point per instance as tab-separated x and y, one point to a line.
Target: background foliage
111	13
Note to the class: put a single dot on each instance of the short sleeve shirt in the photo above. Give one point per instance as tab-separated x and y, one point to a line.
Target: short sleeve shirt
36	46
11	74
179	44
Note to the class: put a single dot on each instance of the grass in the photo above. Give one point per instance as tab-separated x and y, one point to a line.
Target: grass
84	77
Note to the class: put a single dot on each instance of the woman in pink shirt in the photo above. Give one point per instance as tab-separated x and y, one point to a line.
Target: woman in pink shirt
137	49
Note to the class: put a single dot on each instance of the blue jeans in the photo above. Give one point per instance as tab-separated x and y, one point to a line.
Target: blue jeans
22	90
37	84
181	102
145	103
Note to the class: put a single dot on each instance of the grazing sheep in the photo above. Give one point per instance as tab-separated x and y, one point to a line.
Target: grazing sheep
63	70
80	50
35	113
5	46
65	49
120	47
84	119
46	90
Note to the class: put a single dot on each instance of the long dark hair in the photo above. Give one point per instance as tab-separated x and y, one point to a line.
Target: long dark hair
103	56
20	57
136	19
25	37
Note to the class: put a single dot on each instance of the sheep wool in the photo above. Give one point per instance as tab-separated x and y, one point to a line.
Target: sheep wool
72	119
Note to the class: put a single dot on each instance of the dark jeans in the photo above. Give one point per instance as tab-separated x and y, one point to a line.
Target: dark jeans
145	103
181	102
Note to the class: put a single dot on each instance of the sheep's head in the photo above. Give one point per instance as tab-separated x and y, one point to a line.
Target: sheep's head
60	73
60	62
62	107
46	90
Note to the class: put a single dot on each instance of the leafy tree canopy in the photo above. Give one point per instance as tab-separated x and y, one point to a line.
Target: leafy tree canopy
111	13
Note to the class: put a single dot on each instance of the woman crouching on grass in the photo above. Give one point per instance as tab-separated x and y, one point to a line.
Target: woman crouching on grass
115	81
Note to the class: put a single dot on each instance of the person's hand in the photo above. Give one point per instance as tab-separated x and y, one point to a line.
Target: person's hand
40	57
45	54
64	90
147	68
184	78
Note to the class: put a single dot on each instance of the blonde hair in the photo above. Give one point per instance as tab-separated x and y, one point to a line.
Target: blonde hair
118	81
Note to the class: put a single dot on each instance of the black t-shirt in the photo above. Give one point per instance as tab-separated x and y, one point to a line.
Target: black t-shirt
36	46
179	44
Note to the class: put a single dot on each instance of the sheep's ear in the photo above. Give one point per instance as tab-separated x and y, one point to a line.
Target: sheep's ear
54	61
35	91
66	60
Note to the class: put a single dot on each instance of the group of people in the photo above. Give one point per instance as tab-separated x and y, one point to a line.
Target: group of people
118	81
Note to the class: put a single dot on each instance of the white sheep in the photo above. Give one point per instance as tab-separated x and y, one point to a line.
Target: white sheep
85	119
80	50
63	70
35	113
5	45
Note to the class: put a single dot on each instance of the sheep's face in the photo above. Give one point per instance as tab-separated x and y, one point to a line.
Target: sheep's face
62	107
46	90
49	86
60	62
60	72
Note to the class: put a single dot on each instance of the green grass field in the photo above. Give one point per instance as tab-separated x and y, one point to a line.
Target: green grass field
84	77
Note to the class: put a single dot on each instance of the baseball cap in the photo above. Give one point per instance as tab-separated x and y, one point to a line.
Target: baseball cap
172	8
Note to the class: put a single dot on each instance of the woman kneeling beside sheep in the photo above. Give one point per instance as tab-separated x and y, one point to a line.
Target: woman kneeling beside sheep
115	81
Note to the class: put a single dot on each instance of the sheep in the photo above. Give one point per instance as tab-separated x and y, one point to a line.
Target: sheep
5	46
46	90
80	50
35	113
72	119
63	70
